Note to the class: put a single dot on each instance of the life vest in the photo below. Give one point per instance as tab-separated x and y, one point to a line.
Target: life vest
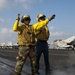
43	34
26	37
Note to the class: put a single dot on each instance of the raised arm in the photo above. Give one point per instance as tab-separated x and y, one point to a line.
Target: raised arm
16	24
41	24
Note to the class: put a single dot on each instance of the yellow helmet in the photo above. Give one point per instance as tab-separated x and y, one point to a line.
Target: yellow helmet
40	15
24	17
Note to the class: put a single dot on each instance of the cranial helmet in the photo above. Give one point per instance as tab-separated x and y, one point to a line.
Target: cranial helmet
40	15
24	17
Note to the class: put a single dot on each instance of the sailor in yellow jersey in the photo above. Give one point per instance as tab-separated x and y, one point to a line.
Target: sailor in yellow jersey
26	42
41	32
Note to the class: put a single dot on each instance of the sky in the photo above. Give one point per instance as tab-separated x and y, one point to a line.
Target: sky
62	27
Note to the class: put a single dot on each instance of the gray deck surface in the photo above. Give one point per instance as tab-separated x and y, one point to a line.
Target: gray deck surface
62	62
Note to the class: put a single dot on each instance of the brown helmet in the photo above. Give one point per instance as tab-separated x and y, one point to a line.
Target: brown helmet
40	15
24	17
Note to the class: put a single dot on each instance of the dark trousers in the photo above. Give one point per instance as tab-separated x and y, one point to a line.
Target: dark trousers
42	47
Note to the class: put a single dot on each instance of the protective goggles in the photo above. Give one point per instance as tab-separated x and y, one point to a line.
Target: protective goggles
27	19
42	18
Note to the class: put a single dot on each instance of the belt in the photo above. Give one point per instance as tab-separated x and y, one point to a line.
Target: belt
42	40
27	46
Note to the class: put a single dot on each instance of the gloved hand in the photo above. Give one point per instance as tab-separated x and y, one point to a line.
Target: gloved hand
52	17
18	17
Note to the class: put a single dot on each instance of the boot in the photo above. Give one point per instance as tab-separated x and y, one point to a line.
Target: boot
36	73
48	72
16	73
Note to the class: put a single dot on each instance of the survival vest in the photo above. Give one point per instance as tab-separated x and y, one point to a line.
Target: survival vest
26	37
43	34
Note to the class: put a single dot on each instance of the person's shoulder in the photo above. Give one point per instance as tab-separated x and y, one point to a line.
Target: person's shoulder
31	26
35	24
22	24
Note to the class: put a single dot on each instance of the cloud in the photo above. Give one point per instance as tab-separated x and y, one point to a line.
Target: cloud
57	34
3	4
5	32
41	0
2	21
7	35
25	4
51	27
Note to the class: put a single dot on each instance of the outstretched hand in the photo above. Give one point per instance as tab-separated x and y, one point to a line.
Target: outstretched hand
52	17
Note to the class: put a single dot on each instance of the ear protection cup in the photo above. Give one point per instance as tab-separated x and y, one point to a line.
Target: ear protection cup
22	20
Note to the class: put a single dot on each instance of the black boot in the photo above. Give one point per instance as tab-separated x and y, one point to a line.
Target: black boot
35	74
48	72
